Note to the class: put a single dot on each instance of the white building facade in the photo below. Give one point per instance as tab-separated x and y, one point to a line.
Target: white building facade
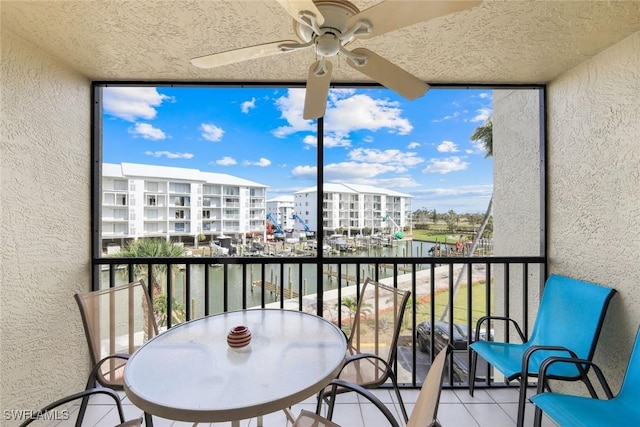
281	208
177	203
353	208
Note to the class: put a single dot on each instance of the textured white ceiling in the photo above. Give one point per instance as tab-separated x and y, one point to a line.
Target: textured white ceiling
496	42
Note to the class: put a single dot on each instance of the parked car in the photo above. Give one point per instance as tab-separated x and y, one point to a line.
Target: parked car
441	338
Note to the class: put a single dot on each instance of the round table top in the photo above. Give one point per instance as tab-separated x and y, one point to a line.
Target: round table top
189	373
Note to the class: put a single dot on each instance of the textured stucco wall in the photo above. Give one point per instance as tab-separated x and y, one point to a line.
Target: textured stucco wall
516	192
594	194
45	234
516	198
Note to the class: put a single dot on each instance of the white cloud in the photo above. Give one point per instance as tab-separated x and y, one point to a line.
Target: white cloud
262	162
133	103
360	112
347	111
447	147
391	156
477	148
147	131
226	161
413	145
358	173
465	190
248	105
169	154
368	174
484	95
308	172
463	199
447	117
482	114
355	172
291	106
329	141
446	165
211	132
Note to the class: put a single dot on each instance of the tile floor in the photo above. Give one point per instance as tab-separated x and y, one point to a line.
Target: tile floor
488	408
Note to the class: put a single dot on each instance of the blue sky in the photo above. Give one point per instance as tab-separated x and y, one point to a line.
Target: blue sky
372	136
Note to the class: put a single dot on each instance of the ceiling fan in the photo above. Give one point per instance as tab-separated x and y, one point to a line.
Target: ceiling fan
328	26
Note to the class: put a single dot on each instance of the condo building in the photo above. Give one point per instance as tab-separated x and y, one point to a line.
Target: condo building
353	208
187	205
178	204
281	209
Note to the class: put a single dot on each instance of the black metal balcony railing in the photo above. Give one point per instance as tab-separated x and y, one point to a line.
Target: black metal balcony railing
200	286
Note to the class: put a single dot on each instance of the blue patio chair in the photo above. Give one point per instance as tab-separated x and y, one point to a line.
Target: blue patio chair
576	411
568	324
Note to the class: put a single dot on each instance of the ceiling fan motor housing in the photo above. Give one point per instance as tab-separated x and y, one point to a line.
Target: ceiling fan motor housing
336	14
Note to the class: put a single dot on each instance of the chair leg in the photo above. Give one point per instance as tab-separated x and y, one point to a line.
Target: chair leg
537	418
91	383
82	411
472	371
522	401
148	420
399	396
319	404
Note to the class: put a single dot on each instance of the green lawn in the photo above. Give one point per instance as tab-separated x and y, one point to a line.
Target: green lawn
478	296
438	236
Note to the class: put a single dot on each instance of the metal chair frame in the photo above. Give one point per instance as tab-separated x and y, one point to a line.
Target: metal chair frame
424	413
123	310
565	409
379	362
568	323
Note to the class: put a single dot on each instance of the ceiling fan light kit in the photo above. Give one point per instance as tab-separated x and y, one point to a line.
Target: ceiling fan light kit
330	25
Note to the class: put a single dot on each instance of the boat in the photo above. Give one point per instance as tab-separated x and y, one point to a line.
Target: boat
338	242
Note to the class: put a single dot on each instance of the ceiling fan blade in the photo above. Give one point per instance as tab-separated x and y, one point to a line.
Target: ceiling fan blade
391	15
294	7
243	54
315	98
389	74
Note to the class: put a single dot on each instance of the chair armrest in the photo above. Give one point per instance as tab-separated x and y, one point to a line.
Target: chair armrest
93	375
85	393
506	319
358	356
335	384
544	367
528	353
124	356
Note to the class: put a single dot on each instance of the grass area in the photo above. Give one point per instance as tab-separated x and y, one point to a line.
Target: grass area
439	236
478	297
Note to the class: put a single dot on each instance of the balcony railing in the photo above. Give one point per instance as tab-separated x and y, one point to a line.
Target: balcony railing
470	287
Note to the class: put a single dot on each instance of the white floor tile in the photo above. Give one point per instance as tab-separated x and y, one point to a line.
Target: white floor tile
489	415
490	407
455	415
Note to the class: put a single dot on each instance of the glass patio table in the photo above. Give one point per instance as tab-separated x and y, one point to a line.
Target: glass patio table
190	373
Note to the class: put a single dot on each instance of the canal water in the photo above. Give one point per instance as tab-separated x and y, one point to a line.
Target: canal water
234	292
402	248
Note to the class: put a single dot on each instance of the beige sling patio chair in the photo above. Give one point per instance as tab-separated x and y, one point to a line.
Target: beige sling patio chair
424	413
373	339
48	411
116	322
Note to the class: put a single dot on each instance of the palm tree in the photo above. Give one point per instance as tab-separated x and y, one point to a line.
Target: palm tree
483	135
156	248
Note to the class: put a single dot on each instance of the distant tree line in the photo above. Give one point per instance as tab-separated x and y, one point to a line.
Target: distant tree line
451	221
